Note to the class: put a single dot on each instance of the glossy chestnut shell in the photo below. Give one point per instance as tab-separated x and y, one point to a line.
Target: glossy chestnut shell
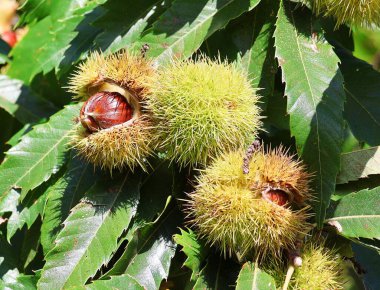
277	196
104	110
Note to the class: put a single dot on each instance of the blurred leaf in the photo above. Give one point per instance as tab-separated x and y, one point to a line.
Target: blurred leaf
359	164
4	50
39	154
195	250
17	136
358	214
352	281
63	196
369	263
251	277
20	102
181	30
314	87
43	47
17	281
90	233
116	282
362	109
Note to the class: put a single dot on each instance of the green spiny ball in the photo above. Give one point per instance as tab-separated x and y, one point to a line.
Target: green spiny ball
244	214
357	12
203	108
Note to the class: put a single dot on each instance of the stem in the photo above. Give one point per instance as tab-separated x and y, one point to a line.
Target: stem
289	275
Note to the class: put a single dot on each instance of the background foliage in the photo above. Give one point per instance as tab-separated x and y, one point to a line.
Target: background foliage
65	224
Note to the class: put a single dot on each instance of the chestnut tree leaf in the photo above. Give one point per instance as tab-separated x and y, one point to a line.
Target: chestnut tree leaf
357	215
63	196
186	24
44	46
116	282
251	277
359	164
19	101
362	109
38	155
123	23
195	250
315	98
90	233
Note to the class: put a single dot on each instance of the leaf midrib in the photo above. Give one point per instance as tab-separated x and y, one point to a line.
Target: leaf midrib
316	113
375	216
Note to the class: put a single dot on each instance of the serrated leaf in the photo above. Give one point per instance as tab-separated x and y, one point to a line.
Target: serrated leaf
39	154
362	109
124	22
314	89
19	101
251	277
186	24
90	233
27	215
116	282
43	47
63	196
358	214
258	60
359	164
195	250
151	250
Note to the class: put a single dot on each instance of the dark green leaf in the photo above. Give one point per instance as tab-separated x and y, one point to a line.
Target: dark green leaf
359	164
252	278
150	251
314	87
186	24
21	103
217	274
90	233
39	154
63	196
369	265
362	109
195	250
124	22
358	214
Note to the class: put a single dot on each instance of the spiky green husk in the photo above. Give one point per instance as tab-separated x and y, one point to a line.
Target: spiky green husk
203	108
124	145
228	210
124	69
117	147
357	12
319	270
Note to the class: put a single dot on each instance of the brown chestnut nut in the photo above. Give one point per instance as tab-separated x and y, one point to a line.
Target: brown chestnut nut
277	196
104	110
